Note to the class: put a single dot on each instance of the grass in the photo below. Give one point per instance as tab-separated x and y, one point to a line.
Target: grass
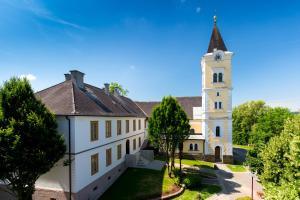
244	198
246	147
139	184
198	163
237	168
204	191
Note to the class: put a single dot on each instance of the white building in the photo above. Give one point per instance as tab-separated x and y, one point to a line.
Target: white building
99	129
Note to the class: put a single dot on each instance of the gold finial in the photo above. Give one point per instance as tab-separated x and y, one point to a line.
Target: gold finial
215	19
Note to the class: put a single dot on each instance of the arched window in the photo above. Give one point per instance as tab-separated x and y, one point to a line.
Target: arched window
218	131
220	105
191	147
216	105
196	147
220	77
215	77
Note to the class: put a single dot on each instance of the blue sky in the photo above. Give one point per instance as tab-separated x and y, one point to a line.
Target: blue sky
153	48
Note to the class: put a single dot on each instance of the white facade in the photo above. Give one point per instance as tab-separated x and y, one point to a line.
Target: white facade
82	148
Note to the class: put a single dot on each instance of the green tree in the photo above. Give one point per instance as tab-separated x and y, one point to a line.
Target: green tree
244	117
281	163
168	127
29	142
269	124
116	86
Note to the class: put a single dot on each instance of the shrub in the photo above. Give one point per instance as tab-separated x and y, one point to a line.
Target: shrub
192	181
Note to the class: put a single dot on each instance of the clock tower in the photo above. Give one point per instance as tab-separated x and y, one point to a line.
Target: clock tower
217	99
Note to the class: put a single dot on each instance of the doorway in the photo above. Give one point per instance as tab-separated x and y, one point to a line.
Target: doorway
218	154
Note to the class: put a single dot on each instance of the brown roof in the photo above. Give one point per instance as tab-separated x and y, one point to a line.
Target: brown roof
216	41
186	102
68	99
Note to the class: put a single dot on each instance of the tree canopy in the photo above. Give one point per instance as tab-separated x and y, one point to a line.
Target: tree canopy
116	86
244	117
168	127
29	142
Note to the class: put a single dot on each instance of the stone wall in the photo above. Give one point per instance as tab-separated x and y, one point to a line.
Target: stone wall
228	159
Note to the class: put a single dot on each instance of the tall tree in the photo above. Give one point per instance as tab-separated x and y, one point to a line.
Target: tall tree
168	127
244	117
116	86
281	163
29	142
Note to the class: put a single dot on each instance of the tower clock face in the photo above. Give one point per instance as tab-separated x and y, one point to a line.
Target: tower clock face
218	55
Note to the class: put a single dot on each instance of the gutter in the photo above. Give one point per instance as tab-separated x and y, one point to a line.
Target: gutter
70	163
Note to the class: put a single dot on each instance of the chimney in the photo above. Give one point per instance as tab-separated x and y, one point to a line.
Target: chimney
106	89
116	92
77	77
68	77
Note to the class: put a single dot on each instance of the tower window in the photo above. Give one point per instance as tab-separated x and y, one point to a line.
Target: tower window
216	105
218	131
192	131
220	105
191	147
196	147
215	77
218	94
220	77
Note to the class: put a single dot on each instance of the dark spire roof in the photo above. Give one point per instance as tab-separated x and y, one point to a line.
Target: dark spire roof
216	41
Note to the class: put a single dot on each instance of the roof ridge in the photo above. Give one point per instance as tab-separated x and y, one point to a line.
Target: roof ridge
52	86
73	99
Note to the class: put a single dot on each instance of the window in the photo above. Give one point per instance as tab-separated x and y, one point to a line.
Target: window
108	129
220	77
140	141
196	147
127	126
134	144
192	131
119	150
134	125
220	105
216	105
191	147
119	127
94	130
215	78
139	124
218	94
108	157
145	123
218	131
94	164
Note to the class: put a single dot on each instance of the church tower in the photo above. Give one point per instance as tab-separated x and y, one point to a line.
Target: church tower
217	99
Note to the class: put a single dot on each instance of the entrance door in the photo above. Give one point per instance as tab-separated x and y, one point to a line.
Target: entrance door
217	154
127	147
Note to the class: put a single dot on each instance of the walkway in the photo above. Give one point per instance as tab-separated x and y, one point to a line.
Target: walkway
235	184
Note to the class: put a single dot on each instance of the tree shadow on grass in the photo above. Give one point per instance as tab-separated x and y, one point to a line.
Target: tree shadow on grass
138	184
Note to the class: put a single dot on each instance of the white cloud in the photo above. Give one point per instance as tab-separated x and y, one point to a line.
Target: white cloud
29	77
198	9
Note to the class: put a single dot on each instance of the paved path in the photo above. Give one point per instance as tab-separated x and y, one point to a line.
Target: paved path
235	184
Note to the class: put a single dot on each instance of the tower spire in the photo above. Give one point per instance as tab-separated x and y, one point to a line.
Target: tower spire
216	41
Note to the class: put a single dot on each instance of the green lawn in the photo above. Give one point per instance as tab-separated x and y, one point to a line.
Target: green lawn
139	184
198	163
246	147
237	168
204	190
